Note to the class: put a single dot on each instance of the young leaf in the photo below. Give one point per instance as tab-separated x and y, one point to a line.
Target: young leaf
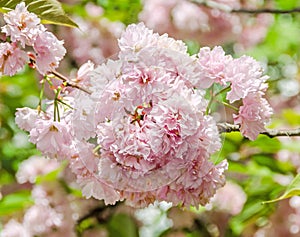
293	189
15	202
128	226
50	11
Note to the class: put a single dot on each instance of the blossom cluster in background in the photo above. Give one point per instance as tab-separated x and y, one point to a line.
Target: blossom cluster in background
54	211
98	34
210	26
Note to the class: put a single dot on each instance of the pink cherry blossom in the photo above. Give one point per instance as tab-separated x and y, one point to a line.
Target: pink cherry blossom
33	167
26	118
143	134
83	74
84	164
40	219
12	59
230	198
136	37
22	26
182	19
49	52
149	123
188	17
253	115
213	64
245	76
51	137
14	229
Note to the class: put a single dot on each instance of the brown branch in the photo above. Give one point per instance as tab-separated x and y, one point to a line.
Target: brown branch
228	128
265	10
60	76
226	8
101	213
68	82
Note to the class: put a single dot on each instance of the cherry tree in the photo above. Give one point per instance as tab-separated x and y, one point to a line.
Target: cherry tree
141	127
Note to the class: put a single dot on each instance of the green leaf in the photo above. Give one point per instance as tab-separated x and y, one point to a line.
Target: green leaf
293	189
126	11
273	164
15	202
252	211
50	11
292	117
266	144
128	229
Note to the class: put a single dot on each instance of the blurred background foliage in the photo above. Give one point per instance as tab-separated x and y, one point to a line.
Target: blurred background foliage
262	168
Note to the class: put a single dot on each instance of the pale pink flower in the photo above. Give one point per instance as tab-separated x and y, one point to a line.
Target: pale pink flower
207	26
253	115
51	137
161	20
187	16
14	229
49	193
137	37
166	42
149	124
84	73
84	164
213	64
245	76
26	118
230	198
49	52
132	148
83	116
12	59
22	26
254	31
201	194
33	167
42	219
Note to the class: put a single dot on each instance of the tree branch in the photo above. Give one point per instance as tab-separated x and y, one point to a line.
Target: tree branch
228	128
99	213
226	8
68	82
265	10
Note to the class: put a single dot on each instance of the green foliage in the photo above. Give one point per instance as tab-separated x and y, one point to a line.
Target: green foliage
15	92
15	202
122	225
123	10
283	4
283	36
50	11
292	117
293	189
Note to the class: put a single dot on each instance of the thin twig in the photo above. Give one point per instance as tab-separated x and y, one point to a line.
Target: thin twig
265	10
228	128
225	8
68	82
98	211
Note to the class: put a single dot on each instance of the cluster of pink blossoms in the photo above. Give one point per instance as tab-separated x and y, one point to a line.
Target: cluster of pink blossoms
212	25
99	37
54	211
24	29
143	133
